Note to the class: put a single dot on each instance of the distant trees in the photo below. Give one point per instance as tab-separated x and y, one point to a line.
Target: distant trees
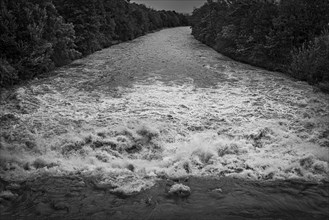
38	35
286	35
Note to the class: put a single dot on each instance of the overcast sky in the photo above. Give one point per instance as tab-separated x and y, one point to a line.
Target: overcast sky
185	6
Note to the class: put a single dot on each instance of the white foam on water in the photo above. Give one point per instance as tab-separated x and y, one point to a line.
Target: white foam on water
247	123
159	130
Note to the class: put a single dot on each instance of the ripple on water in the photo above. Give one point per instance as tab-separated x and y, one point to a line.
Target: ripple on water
221	197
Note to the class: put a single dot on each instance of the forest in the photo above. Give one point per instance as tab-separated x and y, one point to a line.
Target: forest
290	36
38	35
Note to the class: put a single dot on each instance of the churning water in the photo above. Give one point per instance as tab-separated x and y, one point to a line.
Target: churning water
111	133
73	197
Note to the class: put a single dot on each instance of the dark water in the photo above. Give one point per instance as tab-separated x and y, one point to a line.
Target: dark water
223	198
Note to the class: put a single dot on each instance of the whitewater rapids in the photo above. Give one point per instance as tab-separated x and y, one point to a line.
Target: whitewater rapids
164	105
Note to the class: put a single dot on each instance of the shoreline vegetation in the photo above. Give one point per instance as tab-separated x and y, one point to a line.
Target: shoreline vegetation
290	36
39	35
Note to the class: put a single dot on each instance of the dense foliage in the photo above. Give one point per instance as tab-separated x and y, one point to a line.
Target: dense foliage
286	35
38	35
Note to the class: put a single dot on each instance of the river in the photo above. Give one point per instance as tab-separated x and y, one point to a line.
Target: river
108	135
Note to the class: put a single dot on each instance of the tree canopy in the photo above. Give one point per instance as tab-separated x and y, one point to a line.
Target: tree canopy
287	35
38	35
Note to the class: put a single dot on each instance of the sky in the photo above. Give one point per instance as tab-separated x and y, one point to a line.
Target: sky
184	6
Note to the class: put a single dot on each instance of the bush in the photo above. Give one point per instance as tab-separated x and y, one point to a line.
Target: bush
8	74
310	62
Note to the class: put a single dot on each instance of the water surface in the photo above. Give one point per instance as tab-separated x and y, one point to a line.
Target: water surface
164	105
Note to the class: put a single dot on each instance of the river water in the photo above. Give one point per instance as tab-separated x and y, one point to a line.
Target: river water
108	135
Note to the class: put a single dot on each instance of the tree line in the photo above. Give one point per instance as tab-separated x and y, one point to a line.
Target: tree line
39	35
285	35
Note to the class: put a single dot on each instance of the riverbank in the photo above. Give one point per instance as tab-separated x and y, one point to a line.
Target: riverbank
280	36
65	31
318	86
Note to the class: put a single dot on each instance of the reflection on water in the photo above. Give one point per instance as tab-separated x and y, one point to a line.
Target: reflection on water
76	197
